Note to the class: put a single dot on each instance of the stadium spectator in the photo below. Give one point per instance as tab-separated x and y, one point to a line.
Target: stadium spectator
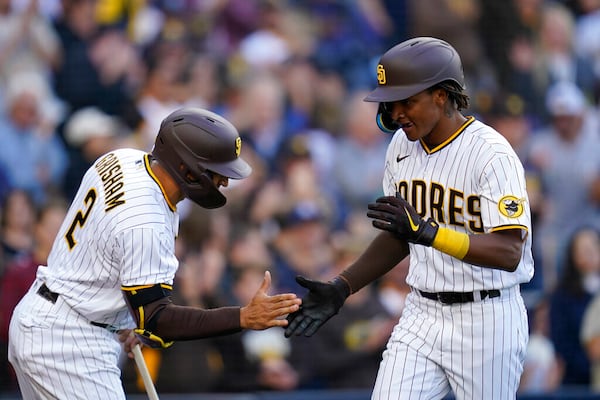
555	57
301	247
579	283
257	360
32	154
542	369
18	219
90	133
28	41
160	91
590	337
260	115
91	74
586	39
359	335
565	155
360	148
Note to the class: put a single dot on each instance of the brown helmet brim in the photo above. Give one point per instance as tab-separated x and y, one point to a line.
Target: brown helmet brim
234	169
384	94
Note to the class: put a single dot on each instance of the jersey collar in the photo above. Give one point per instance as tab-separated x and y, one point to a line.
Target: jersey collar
151	173
450	139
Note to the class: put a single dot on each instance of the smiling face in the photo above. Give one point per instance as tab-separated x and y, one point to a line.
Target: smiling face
421	115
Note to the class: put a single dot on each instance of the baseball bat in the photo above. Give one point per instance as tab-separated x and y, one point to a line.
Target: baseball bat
143	368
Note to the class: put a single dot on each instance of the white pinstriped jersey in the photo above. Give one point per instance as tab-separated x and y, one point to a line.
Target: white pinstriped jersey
473	183
120	230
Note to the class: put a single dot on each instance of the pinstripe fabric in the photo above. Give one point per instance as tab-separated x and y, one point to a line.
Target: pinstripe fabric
119	231
474	349
473	183
478	166
58	354
131	244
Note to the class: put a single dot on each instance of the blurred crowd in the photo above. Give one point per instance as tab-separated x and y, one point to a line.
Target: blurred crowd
79	78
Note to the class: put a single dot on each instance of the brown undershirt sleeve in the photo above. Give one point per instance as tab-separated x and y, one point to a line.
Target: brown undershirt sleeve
173	322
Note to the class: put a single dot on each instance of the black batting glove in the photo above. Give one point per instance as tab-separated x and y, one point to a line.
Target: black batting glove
396	215
323	301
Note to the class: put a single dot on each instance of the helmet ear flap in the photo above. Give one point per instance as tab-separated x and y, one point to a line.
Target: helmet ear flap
204	192
385	121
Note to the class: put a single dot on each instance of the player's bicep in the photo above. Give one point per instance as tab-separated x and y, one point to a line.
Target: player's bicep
148	256
503	197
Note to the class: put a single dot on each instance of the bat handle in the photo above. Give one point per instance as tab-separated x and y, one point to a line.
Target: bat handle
141	364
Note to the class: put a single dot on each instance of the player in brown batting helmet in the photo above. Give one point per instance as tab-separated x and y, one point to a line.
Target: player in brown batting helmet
195	144
411	67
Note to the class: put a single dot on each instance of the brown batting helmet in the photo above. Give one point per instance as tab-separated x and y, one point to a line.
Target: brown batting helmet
192	143
413	66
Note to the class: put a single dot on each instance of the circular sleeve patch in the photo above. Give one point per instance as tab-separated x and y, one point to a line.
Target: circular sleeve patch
511	206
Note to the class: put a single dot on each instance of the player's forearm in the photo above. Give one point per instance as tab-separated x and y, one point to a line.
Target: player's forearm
383	254
173	322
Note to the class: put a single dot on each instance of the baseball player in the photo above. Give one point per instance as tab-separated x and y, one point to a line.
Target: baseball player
112	265
455	200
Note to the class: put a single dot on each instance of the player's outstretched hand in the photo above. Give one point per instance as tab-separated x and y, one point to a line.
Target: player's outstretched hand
266	311
323	301
396	215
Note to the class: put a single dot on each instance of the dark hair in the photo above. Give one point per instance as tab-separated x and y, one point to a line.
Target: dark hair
5	209
52	203
571	277
455	93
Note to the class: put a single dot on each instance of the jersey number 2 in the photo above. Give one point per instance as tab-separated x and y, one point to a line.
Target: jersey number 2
81	217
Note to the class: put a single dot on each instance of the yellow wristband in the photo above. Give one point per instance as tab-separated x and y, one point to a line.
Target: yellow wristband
451	242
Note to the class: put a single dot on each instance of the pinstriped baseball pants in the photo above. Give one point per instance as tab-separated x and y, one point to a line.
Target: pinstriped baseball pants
58	354
476	350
